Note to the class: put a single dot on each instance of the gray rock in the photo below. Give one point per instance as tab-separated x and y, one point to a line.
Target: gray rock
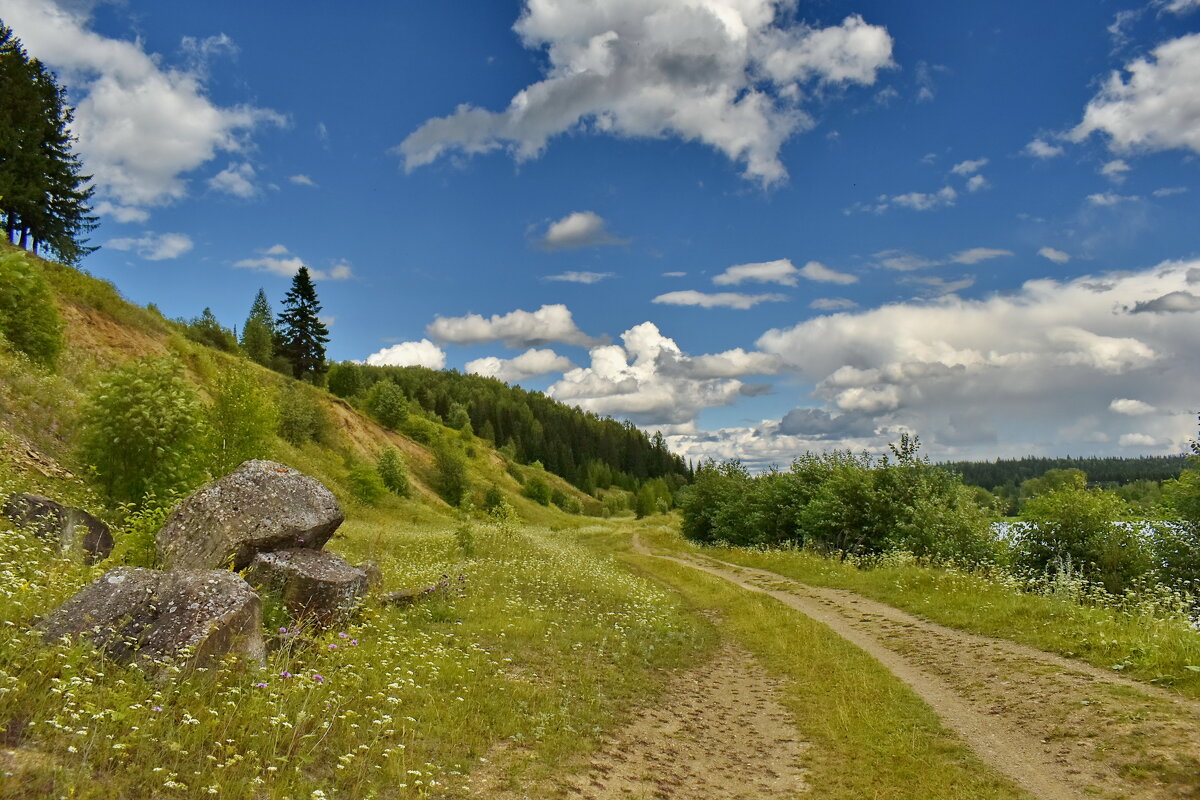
316	586
74	529
259	507
149	615
374	574
406	597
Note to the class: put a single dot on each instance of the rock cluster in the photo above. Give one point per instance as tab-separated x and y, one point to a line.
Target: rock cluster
263	516
75	530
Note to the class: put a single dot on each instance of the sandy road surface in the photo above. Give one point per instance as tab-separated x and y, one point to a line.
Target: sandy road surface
1059	728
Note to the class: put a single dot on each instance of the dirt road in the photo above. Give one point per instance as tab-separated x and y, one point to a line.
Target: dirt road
1059	728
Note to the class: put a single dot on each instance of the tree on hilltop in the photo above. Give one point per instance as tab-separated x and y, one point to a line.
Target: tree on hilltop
258	332
302	335
43	196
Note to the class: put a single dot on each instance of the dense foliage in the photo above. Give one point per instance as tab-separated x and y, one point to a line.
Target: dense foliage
43	197
842	503
29	319
591	452
1108	471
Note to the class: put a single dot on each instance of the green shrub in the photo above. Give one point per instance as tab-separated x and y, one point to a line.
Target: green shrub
243	418
566	502
29	319
537	490
1079	526
393	472
143	427
344	379
387	404
492	498
136	537
420	429
365	485
207	330
451	474
301	418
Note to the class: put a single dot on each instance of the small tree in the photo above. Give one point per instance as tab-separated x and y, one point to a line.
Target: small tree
302	335
28	316
393	472
243	419
258	332
451	469
537	490
387	404
142	428
207	330
344	379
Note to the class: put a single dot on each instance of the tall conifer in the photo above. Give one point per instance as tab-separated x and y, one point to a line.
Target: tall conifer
302	335
258	333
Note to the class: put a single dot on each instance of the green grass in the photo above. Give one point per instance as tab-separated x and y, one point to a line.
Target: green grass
1147	638
534	647
871	736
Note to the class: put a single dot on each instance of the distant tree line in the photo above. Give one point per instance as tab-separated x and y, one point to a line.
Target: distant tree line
1102	471
589	451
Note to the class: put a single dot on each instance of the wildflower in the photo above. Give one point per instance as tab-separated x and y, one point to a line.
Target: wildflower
333	647
318	678
354	642
283	630
341	635
285	674
156	708
261	685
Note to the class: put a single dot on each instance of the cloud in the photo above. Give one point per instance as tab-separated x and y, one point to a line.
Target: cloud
1030	363
142	125
1039	148
817	423
550	323
731	74
921	201
936	286
1138	440
278	260
514	370
1180	6
903	261
674	274
1156	108
155	246
781	271
121	213
977	254
965	168
571	276
1115	170
1131	408
409	354
236	179
648	379
1181	301
1057	256
816	271
1169	191
580	229
303	180
690	297
977	183
1110	198
832	304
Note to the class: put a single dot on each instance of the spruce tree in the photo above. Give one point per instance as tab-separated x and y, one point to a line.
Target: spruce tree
302	335
258	333
43	196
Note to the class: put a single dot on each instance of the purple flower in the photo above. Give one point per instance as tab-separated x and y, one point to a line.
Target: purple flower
283	630
354	642
318	678
285	674
156	708
261	685
333	647
341	635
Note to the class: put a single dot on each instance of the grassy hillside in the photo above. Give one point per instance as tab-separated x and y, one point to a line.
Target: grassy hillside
40	409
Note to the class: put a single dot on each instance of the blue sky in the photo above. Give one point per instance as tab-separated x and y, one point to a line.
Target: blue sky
761	227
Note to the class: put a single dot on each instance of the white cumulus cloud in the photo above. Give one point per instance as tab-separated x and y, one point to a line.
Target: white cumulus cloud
572	276
580	229
1057	256
969	167
155	246
550	323
1040	148
1131	408
236	179
731	74
514	370
780	271
142	125
977	254
738	300
278	260
409	354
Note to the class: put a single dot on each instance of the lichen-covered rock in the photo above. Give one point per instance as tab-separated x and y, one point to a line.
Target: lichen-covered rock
259	507
315	586
74	529
151	615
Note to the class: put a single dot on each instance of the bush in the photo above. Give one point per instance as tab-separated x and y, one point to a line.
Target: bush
492	498
1079	525
393	472
365	485
207	330
301	418
344	379
566	502
451	474
537	490
387	404
29	318
143	426
243	418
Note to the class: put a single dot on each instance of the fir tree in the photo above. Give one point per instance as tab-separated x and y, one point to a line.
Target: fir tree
43	196
258	333
302	335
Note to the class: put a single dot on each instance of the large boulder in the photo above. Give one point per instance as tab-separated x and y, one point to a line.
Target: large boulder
259	507
150	615
75	530
315	585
